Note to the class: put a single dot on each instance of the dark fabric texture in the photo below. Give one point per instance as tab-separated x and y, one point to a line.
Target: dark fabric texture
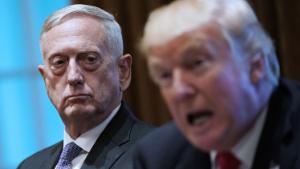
112	150
278	144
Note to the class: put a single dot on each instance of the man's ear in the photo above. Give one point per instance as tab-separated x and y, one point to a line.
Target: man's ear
42	71
124	65
257	67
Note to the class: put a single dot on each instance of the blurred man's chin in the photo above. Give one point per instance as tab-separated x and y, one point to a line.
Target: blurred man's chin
203	145
208	142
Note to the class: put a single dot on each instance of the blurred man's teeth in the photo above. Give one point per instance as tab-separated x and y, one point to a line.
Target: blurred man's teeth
198	118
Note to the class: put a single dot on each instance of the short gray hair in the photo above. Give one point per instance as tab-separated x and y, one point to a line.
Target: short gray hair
237	21
113	40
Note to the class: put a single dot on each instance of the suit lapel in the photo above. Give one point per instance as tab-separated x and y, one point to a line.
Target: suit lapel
275	147
112	143
53	157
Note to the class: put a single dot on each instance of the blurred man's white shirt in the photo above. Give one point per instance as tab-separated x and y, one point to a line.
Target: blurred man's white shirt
246	147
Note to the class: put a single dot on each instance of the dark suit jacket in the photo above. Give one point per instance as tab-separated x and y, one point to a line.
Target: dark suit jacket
279	143
112	150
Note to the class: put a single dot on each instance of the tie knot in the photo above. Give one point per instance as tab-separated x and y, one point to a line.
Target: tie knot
70	151
227	160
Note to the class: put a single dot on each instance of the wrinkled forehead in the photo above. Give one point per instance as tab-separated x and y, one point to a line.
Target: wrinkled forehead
74	33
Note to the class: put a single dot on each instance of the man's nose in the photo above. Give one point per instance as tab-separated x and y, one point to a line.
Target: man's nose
75	76
183	87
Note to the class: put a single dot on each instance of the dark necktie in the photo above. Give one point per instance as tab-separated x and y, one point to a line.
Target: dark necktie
227	160
70	151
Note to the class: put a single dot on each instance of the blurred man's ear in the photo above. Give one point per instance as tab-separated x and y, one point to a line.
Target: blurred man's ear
257	67
124	65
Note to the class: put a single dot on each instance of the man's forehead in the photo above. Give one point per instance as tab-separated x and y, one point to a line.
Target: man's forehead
198	39
177	18
65	35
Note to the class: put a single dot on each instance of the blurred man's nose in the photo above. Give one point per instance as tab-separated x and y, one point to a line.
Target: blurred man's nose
182	86
75	76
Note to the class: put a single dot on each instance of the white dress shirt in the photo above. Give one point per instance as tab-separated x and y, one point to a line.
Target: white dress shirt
245	149
87	140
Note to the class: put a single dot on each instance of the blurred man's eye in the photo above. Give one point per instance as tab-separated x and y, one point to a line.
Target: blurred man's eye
162	78
197	65
196	58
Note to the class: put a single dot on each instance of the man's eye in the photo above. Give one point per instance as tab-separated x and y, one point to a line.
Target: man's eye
196	63
91	59
58	62
162	78
165	75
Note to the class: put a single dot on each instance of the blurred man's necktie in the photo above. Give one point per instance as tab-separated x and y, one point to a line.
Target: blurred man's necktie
227	160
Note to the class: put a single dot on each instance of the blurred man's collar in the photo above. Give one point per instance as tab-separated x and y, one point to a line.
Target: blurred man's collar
245	149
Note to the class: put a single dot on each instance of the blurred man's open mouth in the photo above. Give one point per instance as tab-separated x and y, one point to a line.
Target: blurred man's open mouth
198	118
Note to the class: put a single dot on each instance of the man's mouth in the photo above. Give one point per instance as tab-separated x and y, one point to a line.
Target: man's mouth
77	98
198	118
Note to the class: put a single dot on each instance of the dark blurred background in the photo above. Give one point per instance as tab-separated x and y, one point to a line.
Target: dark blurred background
28	121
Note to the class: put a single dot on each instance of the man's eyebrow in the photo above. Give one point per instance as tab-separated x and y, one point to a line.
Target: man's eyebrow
56	54
194	49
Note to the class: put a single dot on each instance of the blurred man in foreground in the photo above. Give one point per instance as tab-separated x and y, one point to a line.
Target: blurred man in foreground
86	73
218	73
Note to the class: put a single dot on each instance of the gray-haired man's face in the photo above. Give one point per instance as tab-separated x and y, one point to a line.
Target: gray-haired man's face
81	76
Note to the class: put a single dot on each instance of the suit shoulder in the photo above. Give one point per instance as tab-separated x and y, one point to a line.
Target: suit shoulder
37	159
159	149
289	97
164	135
140	129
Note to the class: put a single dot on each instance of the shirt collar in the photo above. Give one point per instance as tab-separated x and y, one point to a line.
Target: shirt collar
88	139
245	149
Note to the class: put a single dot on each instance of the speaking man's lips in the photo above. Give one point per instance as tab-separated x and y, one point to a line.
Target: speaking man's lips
198	117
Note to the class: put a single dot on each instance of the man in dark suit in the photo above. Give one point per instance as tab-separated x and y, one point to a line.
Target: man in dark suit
218	73
86	73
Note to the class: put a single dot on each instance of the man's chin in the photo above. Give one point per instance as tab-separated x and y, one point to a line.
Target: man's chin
204	141
79	110
208	143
